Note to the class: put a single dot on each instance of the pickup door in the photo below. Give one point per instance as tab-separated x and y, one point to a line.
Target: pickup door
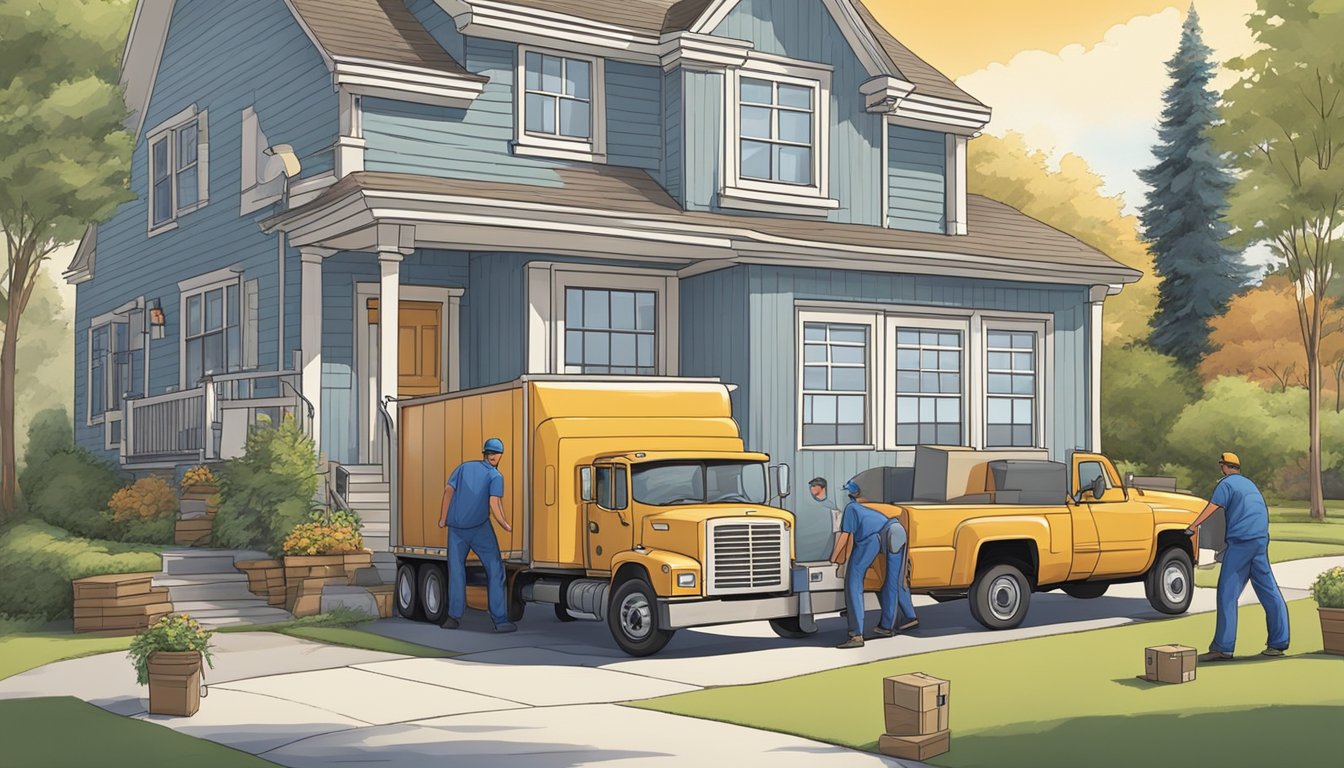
1124	528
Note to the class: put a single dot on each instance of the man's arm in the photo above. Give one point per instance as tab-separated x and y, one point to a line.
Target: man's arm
497	509
443	508
841	541
1209	509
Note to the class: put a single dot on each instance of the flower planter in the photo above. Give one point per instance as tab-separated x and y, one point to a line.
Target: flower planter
1332	629
174	683
307	575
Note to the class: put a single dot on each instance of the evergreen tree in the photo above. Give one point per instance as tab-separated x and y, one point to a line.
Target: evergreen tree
1182	220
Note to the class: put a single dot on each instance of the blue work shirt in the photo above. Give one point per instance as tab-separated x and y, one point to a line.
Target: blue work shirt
1247	515
473	483
861	522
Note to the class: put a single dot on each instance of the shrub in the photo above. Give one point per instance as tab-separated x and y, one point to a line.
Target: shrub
49	433
268	490
71	489
38	562
319	538
1142	394
171	633
144	511
1329	588
198	476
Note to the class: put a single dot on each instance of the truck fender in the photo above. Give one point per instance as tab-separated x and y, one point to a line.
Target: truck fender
972	535
1168	532
661	567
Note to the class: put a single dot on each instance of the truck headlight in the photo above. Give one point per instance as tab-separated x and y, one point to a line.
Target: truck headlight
686	580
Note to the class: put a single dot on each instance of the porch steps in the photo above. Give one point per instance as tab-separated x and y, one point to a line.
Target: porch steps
205	584
369	494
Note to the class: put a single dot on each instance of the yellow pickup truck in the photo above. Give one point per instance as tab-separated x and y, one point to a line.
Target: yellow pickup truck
995	527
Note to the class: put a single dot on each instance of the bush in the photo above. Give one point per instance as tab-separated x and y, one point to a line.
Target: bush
318	538
144	511
38	562
267	491
1329	588
197	476
49	433
171	633
1142	394
70	489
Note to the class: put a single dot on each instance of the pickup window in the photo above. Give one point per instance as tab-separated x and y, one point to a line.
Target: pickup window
665	484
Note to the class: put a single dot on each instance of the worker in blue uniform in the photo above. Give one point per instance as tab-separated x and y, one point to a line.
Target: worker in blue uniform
873	533
474	492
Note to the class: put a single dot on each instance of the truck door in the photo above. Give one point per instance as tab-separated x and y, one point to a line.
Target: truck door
608	515
1124	527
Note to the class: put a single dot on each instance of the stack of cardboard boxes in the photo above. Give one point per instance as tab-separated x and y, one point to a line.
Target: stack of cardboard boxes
122	603
916	717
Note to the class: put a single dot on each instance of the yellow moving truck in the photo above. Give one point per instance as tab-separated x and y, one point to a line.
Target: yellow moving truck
631	501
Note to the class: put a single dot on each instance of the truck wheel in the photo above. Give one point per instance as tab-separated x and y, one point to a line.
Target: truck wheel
433	592
632	616
408	598
1169	582
562	613
1000	596
516	603
789	628
1085	590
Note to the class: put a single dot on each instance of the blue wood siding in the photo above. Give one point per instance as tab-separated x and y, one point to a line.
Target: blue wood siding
673	171
806	31
917	162
222	57
634	116
714	332
702	95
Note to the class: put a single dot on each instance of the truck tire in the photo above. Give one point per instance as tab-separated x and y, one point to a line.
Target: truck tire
1085	590
408	593
433	592
516	604
562	613
632	617
1000	596
789	628
1169	583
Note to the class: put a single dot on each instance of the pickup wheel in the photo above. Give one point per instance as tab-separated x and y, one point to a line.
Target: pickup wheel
407	594
1085	590
1000	596
1169	582
789	628
433	592
632	617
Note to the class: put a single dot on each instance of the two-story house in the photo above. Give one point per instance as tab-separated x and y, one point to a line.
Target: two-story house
341	201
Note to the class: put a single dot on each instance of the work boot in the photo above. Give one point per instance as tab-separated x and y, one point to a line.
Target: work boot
909	625
507	626
1273	652
1205	658
449	622
854	641
883	632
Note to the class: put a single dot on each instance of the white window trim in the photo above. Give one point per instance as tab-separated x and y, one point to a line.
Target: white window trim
962	324
546	285
876	380
1043	327
167	129
591	150
778	197
199	286
106	418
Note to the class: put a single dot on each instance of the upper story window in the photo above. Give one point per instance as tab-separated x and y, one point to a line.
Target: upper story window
610	331
178	163
777	142
560	106
836	381
218	336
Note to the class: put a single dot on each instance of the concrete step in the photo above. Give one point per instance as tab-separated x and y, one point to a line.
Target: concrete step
376	528
206	607
200	579
229	591
250	617
361	500
364	469
369	484
195	563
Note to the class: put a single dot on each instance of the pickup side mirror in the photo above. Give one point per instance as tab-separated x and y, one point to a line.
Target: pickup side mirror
586	484
781	478
1099	487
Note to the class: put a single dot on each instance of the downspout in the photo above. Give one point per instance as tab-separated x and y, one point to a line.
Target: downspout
280	327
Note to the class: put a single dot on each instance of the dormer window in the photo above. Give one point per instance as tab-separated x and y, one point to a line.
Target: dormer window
777	125
560	110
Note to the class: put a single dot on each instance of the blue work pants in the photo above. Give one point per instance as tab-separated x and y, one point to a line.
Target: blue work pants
1248	561
895	592
481	540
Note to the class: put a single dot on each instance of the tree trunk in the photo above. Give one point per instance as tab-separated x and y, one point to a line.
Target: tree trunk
9	479
1313	350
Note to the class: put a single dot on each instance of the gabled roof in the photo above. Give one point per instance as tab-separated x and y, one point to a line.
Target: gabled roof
378	30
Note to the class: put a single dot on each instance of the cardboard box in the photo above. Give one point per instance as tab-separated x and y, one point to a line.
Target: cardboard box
1169	663
916	705
915	747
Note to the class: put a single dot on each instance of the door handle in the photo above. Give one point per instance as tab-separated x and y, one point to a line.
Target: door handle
592	527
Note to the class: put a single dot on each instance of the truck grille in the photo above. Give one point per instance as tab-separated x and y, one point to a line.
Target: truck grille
747	555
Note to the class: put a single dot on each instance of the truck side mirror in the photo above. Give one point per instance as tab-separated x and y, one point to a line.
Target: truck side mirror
785	488
1098	487
586	484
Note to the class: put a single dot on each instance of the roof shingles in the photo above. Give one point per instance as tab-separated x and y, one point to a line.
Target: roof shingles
380	30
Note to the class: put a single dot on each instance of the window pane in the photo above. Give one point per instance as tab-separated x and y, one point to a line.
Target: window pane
795	164
163	201
596	306
623	349
928	408
550	74
949	410
907	434
847	354
1022	436
849	334
577	78
574	119
194	315
1000	340
645	346
214	353
1000	410
906	337
1022	361
533	68
819	434
852	434
814	377
194	363
187	191
1022	385
755	122
949	361
540	113
928	434
949	340
214	310
645	304
848	379
949	435
596	348
928	382
928	360
1000	384
850	410
814	353
1022	412
1023	340
814	332
907	381
231	305
907	359
573	347
755	91
235	355
907	409
160	163
823	409
794	126
755	160
950	383
795	96
573	308
186	145
999	435
1000	361
623	310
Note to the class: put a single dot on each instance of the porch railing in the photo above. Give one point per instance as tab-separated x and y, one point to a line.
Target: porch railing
163	427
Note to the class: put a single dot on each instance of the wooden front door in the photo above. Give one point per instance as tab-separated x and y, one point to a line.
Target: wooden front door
420	346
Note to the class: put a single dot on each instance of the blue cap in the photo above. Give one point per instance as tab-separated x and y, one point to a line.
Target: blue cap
493	445
851	487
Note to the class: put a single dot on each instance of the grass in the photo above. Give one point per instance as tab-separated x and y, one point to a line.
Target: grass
1291	541
1055	700
39	735
22	652
38	561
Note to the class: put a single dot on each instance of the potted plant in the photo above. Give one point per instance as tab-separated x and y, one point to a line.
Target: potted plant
1329	593
199	482
326	549
167	657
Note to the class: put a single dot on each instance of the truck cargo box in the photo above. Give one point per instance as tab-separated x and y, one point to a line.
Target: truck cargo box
1016	481
948	473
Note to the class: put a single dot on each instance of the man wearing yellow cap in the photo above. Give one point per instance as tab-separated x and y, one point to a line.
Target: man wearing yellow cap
1245	559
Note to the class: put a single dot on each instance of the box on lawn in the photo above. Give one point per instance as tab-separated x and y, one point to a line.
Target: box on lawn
915	747
916	704
1169	663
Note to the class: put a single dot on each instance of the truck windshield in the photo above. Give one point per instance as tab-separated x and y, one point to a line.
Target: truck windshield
665	484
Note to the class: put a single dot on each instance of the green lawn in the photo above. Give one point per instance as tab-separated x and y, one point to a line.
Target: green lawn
22	652
1292	541
354	637
1054	700
61	732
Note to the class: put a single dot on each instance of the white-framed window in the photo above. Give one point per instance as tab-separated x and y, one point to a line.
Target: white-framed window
930	382
212	327
587	319
837	380
116	368
178	172
560	106
777	142
1014	370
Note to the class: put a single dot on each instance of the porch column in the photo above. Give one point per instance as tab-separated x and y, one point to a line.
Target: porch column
1096	299
389	324
310	339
